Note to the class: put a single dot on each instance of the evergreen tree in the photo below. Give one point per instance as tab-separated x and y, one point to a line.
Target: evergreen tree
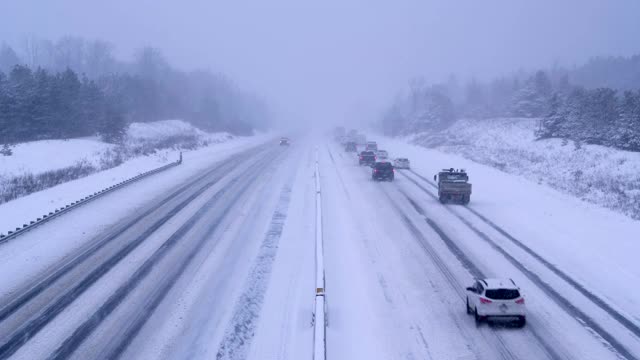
627	136
600	116
113	126
8	58
551	125
533	99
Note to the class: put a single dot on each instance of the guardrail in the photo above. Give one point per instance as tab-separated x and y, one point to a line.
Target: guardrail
75	204
320	316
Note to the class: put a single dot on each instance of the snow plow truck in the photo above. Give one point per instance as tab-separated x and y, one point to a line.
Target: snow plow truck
453	186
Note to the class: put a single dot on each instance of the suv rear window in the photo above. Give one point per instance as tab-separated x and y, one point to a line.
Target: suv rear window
367	153
382	165
502	294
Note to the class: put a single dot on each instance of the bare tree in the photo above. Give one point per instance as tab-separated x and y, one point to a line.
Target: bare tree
32	52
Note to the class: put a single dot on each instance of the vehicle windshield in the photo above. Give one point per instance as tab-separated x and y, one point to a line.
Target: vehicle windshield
455	177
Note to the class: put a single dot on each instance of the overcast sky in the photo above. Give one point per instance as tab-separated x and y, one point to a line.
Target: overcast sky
337	59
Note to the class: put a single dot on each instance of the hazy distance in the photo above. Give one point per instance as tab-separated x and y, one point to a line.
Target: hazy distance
337	60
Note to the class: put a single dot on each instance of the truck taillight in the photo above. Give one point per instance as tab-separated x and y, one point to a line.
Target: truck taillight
520	301
485	301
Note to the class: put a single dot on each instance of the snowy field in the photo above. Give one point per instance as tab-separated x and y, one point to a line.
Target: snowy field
40	156
35	157
597	174
215	259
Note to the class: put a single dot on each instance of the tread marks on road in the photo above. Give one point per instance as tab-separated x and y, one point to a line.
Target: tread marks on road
74	341
609	340
31	328
451	245
627	323
503	350
244	321
14	305
387	288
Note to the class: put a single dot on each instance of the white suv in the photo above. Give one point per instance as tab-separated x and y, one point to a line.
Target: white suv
401	163
382	154
497	298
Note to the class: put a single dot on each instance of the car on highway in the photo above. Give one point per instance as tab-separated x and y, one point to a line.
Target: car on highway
382	154
371	146
284	141
382	170
496	298
401	163
351	147
367	158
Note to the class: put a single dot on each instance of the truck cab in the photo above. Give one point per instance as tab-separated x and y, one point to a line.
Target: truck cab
453	186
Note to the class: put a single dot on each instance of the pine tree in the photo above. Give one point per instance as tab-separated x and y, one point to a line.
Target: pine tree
573	125
627	136
113	125
533	99
601	115
8	58
550	125
41	116
6	150
21	93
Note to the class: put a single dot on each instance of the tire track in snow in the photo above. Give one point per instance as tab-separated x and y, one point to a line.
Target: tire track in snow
416	329
241	329
622	319
471	267
606	338
31	327
75	340
503	349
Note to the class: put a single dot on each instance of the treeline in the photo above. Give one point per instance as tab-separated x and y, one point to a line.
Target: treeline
74	87
599	116
607	116
39	105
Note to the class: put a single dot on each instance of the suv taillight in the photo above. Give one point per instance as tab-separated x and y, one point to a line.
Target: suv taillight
485	301
520	301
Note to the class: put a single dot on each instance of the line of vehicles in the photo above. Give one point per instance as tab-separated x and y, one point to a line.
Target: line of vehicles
453	184
486	298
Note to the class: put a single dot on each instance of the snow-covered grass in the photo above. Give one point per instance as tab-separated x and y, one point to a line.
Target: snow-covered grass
14	213
46	155
38	165
597	174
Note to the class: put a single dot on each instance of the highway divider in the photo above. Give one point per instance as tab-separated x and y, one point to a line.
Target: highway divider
12	234
320	316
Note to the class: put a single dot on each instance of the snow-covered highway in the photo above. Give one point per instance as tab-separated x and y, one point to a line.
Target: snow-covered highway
219	262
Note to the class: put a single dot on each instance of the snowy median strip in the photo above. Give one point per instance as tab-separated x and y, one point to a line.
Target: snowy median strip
63	210
320	322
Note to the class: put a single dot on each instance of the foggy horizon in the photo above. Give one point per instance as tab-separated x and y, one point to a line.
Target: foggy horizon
333	61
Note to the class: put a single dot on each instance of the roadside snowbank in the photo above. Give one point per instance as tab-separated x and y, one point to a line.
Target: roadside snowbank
597	247
45	155
39	165
597	174
14	213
